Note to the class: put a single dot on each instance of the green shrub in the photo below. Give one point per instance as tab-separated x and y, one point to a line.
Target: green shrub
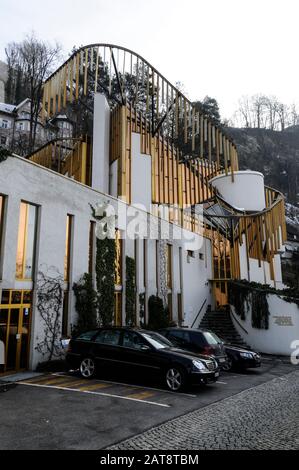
86	304
158	316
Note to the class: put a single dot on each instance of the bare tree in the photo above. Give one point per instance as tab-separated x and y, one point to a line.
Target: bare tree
244	112
294	115
265	112
30	62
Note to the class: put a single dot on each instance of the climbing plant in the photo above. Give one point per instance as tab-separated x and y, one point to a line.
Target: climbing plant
4	153
238	297
49	289
244	294
105	279
105	273
130	291
86	304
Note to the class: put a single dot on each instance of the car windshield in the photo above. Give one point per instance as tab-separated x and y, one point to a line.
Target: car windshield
211	338
219	340
156	340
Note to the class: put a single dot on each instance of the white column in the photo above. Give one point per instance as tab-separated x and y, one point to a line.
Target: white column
101	137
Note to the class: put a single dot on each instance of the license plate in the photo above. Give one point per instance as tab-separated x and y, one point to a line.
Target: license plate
222	360
217	374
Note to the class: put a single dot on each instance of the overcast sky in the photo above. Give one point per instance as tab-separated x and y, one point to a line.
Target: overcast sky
221	48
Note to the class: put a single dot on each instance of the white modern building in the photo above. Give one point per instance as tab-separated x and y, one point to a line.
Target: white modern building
187	217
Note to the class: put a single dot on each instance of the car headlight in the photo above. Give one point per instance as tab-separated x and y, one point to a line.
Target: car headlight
247	355
198	365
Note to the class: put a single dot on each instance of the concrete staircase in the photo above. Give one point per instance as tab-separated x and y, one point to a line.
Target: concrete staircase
221	323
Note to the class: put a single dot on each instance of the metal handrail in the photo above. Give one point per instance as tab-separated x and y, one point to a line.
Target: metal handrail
199	313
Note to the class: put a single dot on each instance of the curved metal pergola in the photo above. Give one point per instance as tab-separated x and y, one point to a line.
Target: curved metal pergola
127	79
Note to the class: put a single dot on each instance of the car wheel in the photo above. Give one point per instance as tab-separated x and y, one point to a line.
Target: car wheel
175	379
87	368
228	366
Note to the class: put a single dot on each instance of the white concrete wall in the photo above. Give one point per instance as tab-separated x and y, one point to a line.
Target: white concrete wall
283	328
101	141
197	289
58	196
246	192
141	176
113	187
260	273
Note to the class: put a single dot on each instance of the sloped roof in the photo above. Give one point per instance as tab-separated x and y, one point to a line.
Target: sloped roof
7	108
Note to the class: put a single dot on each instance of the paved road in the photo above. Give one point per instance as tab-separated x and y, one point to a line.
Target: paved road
264	417
67	412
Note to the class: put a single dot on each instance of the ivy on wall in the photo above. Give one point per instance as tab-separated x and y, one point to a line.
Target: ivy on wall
105	280
243	294
86	304
238	297
105	275
130	291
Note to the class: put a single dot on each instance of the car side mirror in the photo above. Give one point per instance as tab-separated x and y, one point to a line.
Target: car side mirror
144	347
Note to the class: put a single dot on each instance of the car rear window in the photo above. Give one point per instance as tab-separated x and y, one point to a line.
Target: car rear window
87	336
178	334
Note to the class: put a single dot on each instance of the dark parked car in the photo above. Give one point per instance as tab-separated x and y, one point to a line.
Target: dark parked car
240	358
141	352
198	341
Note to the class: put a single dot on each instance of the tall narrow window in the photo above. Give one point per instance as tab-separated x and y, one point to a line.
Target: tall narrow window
169	266
144	262
65	313
2	201
157	266
118	258
91	249
68	241
26	241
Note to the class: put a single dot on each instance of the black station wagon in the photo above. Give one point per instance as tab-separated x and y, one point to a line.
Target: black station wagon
139	352
197	341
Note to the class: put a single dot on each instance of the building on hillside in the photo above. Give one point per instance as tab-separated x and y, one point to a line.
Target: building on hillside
15	127
167	180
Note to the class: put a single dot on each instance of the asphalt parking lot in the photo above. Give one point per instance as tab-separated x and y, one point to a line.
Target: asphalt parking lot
64	411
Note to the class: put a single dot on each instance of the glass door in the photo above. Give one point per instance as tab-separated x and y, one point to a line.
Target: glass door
15	320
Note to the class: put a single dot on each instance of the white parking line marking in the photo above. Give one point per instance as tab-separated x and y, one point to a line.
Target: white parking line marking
137	386
222	383
94	393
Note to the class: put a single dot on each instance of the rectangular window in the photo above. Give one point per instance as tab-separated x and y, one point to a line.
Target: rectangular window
157	265
65	313
169	266
26	241
118	258
68	243
4	124
169	304
180	310
3	140
2	202
144	262
91	249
